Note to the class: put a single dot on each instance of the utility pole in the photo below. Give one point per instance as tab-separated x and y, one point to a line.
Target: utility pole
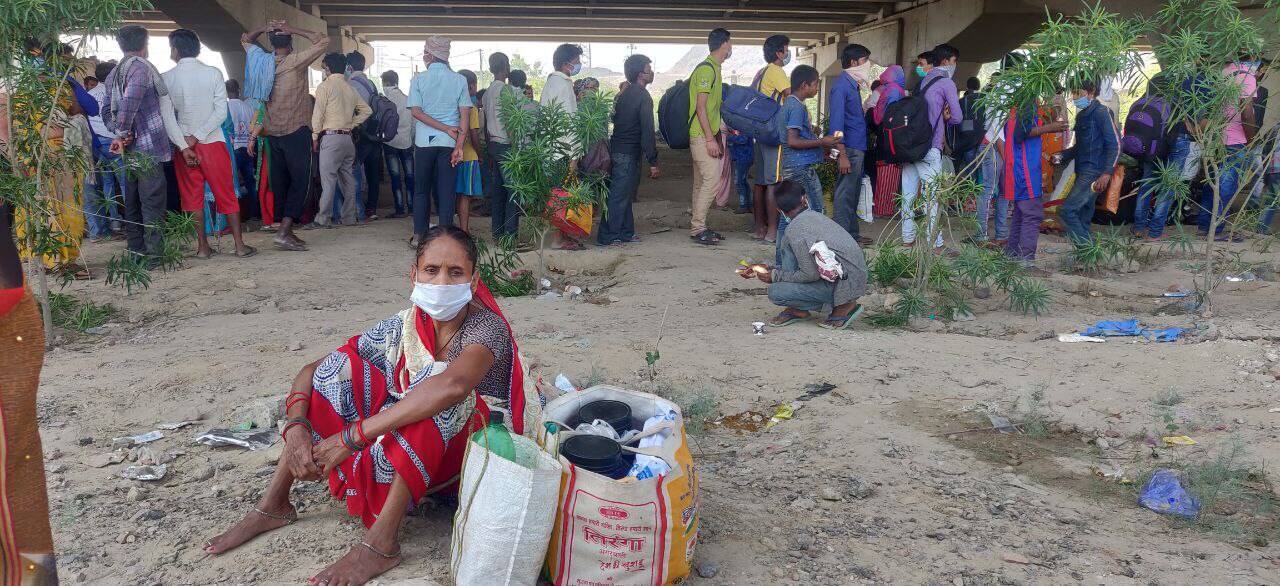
481	66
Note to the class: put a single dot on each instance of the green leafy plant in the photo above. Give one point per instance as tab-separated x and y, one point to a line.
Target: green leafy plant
500	268
544	140
74	314
130	271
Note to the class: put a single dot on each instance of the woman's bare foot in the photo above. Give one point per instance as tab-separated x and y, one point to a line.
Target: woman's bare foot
256	522
361	564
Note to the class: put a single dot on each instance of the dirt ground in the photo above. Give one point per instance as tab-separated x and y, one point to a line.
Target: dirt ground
868	483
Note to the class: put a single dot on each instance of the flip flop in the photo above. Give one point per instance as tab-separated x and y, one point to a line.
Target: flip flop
837	323
206	256
790	319
248	252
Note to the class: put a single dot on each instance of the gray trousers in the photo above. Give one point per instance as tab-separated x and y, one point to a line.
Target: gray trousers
848	188
337	161
811	296
145	198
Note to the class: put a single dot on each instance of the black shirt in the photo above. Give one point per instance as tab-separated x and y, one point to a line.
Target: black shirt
633	124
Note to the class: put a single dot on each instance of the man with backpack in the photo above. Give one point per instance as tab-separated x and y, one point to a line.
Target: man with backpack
939	92
772	82
847	116
1153	140
368	168
705	96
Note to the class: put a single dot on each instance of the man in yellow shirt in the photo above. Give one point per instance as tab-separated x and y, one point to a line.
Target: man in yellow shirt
705	95
338	110
772	81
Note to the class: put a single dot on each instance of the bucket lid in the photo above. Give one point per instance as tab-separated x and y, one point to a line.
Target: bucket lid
606	409
591	451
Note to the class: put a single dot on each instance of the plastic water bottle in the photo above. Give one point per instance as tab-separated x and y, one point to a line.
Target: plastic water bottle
496	437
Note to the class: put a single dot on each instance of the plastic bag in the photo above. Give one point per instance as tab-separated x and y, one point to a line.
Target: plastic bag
1065	181
866	201
574	222
828	266
1111	202
1165	495
505	515
647	466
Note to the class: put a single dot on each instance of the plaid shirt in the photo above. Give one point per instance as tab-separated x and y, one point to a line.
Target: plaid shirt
139	113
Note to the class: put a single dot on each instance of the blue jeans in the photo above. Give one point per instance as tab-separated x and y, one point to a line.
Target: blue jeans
618	223
992	170
400	168
1228	182
1076	211
807	177
1144	217
812	296
101	211
740	171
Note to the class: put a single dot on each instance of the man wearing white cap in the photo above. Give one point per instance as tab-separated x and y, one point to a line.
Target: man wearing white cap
439	100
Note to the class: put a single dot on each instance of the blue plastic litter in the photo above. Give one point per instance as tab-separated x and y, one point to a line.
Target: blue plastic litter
1165	495
1130	327
1114	328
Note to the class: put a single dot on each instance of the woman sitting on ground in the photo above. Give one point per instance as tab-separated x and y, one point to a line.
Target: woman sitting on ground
386	420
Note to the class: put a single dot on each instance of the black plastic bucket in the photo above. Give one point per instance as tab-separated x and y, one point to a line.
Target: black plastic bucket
615	413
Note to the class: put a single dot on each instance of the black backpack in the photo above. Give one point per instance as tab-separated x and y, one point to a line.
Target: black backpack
383	124
968	134
674	115
906	133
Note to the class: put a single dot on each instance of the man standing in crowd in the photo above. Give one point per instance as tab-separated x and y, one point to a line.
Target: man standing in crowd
566	63
848	116
398	152
940	92
773	82
287	113
1096	151
439	100
798	284
504	213
368	166
199	95
241	124
803	151
633	137
337	115
139	111
705	95
101	209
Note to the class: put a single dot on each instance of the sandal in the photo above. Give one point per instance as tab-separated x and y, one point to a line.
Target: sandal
289	245
841	323
705	238
248	252
787	318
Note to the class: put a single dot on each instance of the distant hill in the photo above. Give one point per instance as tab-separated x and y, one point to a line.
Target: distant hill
599	72
740	68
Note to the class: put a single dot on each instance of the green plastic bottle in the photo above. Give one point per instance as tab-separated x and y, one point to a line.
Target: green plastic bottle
498	438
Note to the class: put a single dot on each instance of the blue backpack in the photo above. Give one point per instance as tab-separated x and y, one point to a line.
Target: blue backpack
754	114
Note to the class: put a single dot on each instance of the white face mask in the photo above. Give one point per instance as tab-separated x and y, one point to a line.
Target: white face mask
861	73
441	302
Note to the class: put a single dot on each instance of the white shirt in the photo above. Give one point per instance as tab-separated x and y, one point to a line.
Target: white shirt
489	105
95	122
199	94
559	88
241	118
404	131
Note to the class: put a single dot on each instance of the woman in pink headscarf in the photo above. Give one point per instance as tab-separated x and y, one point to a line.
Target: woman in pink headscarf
888	176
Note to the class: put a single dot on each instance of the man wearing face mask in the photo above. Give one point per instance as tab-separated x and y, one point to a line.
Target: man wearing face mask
847	116
633	137
923	67
567	62
940	93
773	82
706	92
1096	152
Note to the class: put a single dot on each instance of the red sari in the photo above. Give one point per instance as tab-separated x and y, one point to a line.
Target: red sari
373	371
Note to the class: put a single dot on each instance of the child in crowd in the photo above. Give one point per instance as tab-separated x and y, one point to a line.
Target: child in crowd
469	184
742	153
1023	181
803	151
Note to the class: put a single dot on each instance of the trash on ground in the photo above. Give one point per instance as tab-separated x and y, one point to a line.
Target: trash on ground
812	390
1273	410
745	421
250	440
1176	291
1242	277
785	411
1162	335
1115	473
649	466
175	425
549	295
1130	327
155	472
1000	423
1164	494
546	283
573	291
563	383
758	326
136	440
1074	338
1177	440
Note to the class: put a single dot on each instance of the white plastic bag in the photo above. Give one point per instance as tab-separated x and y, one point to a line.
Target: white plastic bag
505	515
1191	167
866	201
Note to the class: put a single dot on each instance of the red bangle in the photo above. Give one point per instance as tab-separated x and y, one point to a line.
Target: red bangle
288	404
289	425
360	430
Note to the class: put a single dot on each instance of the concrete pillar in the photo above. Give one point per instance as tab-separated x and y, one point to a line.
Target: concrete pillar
234	62
220	23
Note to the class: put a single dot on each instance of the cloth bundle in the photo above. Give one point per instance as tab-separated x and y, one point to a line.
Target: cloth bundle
828	266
